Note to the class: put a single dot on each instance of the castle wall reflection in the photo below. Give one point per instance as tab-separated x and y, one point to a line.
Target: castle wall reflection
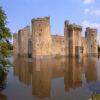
40	73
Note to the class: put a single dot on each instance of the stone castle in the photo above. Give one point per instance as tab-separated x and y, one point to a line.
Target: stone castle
39	42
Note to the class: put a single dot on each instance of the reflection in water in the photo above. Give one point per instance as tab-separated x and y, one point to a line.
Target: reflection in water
3	97
91	69
22	70
40	73
73	72
41	78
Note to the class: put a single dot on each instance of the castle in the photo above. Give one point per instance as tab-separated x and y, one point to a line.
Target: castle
39	42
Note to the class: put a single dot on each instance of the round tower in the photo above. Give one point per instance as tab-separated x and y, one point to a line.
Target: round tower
41	37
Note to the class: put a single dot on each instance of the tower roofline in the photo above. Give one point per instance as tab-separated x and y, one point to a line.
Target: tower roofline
91	29
74	26
41	19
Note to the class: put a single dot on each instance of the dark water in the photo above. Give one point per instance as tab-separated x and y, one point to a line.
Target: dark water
52	79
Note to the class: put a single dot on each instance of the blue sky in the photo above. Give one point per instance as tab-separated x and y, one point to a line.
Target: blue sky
82	12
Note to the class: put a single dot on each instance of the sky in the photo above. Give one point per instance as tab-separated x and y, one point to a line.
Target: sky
83	12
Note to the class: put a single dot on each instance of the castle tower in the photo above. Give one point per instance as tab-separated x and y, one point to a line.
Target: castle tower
66	36
73	43
41	38
92	41
23	36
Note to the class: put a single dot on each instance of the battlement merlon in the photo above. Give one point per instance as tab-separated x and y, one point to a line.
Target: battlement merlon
41	19
25	28
75	27
88	29
66	23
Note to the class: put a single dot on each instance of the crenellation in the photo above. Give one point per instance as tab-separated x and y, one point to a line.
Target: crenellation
74	27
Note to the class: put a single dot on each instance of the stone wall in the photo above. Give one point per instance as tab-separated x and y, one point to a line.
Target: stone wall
92	41
57	45
72	34
84	46
40	42
23	36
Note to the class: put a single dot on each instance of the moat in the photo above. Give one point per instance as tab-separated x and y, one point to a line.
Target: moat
52	79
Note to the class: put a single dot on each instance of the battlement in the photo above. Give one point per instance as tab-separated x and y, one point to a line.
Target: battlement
25	28
57	36
66	23
75	27
91	29
41	19
72	26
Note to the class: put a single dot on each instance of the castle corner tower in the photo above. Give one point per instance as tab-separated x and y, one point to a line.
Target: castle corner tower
92	41
41	37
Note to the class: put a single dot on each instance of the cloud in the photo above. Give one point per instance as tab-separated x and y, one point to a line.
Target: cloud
92	11
88	1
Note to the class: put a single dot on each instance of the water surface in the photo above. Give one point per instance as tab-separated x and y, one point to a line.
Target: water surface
52	79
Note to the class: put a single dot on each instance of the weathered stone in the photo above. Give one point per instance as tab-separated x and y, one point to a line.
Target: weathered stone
92	41
40	42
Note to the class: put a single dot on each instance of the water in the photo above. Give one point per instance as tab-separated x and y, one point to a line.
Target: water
52	79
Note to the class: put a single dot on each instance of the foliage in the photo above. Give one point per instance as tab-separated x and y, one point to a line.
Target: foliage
5	36
5	45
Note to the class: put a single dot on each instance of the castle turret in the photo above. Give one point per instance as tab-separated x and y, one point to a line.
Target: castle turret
66	37
73	39
23	36
92	41
41	37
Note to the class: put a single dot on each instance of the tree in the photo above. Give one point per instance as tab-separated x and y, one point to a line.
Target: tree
5	35
5	44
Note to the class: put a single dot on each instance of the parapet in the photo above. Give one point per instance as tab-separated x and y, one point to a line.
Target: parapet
66	23
88	29
27	28
41	19
75	27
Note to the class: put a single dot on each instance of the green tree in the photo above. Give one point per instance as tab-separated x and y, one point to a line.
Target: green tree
5	44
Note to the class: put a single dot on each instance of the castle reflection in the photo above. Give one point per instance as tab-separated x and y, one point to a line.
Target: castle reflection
3	97
40	73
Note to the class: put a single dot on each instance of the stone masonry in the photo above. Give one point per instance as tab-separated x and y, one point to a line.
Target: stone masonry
40	42
23	37
72	39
